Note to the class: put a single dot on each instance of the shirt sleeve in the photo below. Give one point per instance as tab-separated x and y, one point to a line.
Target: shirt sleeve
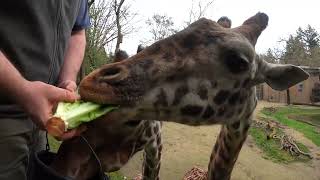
83	20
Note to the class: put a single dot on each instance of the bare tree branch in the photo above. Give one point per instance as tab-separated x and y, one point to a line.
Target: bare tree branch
104	31
195	14
90	2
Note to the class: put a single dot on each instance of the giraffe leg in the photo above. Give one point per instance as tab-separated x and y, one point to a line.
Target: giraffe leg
226	149
152	158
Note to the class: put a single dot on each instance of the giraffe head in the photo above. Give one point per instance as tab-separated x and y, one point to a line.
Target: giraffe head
192	75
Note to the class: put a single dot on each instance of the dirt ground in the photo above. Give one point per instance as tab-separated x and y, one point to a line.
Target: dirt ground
186	146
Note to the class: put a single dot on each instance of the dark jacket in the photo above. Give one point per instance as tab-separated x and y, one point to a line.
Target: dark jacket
34	35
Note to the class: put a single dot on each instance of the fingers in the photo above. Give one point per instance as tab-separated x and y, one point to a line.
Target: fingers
40	116
71	87
68	85
72	133
64	95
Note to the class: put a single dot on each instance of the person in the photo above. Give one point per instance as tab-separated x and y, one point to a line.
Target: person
42	45
120	55
224	21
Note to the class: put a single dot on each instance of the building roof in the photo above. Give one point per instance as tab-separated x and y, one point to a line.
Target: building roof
311	70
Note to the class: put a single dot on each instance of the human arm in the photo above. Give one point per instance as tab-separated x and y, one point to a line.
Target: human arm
35	97
73	60
75	49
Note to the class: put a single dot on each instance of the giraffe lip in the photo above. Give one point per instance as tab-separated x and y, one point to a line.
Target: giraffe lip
92	95
101	98
106	95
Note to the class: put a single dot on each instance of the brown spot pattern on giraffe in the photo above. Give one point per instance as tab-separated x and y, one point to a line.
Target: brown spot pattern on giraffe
226	143
155	48
246	128
229	114
145	64
211	39
216	146
146	172
190	41
155	129
208	113
191	110
229	137
219	171
161	99
168	56
223	155
214	84
179	93
149	132
236	84
203	92
245	82
221	111
158	139
234	98
221	97
236	125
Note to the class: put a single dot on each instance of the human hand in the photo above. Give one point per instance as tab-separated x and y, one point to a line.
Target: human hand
68	85
72	87
39	99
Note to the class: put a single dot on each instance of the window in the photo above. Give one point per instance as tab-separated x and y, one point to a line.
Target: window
300	87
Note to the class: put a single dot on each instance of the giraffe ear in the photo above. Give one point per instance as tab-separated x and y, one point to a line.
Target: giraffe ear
280	76
253	27
140	48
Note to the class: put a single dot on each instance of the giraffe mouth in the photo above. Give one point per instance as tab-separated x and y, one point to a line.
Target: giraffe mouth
114	84
107	95
91	89
98	95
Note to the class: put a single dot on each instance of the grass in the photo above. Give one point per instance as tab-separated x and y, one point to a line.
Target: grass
313	119
271	148
54	146
116	176
302	147
309	131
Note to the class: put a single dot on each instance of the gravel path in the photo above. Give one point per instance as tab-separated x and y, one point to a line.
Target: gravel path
186	146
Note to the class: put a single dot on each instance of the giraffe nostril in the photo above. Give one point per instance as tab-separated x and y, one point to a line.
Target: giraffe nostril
112	74
111	71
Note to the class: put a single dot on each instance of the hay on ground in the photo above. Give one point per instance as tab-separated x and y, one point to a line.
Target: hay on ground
196	173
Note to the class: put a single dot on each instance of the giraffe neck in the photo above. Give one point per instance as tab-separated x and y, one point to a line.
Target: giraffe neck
210	102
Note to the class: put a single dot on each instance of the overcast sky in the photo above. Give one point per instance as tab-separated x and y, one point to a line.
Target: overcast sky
285	16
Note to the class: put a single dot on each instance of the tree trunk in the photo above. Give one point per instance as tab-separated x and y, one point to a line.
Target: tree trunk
117	9
288	97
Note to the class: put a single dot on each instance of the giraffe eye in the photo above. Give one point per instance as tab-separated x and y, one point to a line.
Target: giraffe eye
235	63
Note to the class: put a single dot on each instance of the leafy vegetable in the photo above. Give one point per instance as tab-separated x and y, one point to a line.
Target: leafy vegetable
71	115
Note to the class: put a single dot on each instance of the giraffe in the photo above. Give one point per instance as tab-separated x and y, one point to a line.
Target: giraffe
115	143
203	75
